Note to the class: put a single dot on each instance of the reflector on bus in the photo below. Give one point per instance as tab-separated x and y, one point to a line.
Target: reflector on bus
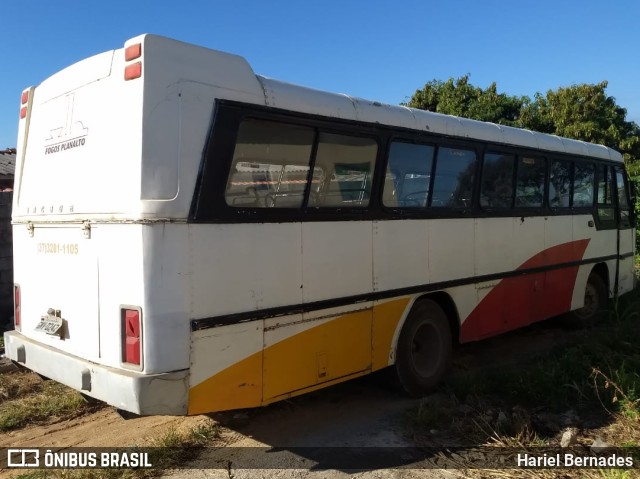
131	336
16	306
133	71
132	52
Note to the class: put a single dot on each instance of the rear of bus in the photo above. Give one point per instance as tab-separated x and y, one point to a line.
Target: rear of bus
107	160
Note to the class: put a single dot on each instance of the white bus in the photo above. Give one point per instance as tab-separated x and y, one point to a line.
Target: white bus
192	237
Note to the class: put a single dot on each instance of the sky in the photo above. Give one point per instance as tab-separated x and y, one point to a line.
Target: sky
374	49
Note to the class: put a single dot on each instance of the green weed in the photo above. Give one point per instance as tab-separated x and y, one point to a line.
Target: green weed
52	401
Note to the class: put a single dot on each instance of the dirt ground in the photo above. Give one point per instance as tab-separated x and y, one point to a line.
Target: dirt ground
360	413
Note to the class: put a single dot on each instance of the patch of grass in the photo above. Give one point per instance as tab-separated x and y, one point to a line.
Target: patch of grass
167	451
175	447
53	400
592	385
432	413
602	369
18	384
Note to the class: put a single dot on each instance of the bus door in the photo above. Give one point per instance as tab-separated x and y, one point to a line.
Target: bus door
626	233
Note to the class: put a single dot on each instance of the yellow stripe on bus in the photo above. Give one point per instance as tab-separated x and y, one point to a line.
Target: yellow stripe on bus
237	387
331	352
385	321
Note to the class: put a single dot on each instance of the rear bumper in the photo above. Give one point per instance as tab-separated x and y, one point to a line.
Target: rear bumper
144	394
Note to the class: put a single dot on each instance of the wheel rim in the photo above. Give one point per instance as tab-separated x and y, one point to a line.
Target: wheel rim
426	350
591	302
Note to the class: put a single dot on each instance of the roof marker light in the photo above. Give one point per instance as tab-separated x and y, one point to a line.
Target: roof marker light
25	97
23	112
132	52
133	71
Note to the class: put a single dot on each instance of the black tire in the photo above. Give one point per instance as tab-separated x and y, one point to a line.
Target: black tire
423	355
595	304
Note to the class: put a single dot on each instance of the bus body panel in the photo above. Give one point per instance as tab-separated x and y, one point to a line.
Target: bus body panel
57	270
76	156
168	302
451	238
393	268
128	390
336	260
121	283
184	80
627	277
324	346
226	367
222	255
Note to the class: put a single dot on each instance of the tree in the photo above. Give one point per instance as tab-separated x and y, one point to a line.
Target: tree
460	98
583	112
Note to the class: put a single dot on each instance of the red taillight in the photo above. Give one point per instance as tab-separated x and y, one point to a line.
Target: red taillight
132	52
133	71
24	99
131	335
16	305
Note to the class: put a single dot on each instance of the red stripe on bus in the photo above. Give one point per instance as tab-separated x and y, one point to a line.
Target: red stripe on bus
521	300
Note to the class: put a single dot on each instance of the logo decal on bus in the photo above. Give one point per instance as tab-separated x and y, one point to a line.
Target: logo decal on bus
71	134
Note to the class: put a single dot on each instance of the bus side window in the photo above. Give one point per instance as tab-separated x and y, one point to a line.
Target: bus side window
345	164
583	179
408	175
496	190
560	184
622	186
454	175
530	182
270	165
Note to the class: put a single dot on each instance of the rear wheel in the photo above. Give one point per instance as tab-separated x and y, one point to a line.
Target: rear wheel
595	304
424	349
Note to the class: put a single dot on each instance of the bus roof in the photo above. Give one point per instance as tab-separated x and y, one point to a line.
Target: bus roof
235	75
297	98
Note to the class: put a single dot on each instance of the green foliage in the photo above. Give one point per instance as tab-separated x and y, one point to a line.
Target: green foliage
459	97
584	112
55	400
603	369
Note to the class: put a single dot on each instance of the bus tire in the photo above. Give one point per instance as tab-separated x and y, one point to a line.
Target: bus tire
423	353
595	304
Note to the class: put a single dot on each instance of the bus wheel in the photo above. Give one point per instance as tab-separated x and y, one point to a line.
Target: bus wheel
595	304
424	349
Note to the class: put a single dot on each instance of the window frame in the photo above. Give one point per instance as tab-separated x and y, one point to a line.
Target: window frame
208	203
630	222
604	223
